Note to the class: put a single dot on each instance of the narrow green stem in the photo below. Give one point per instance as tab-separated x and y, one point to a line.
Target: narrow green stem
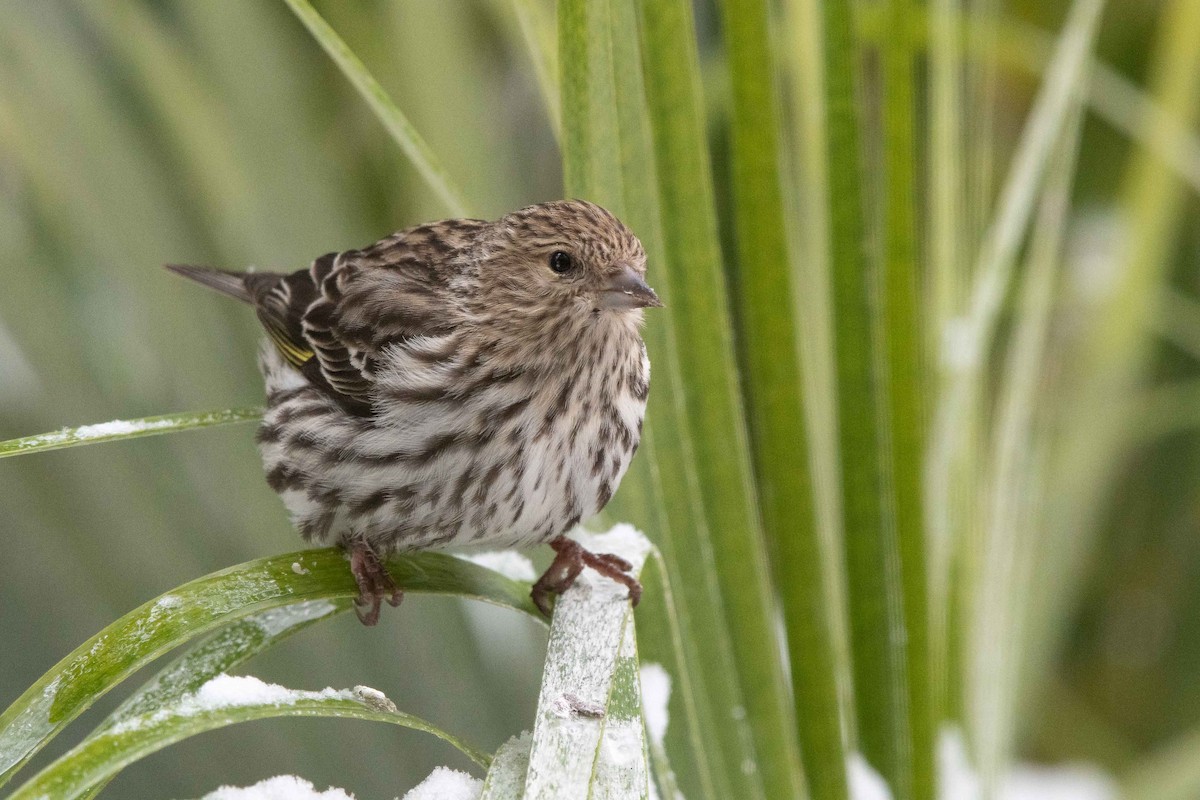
736	550
126	429
397	124
905	340
874	582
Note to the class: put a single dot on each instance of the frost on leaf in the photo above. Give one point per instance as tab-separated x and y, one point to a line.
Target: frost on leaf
506	777
588	740
28	729
278	620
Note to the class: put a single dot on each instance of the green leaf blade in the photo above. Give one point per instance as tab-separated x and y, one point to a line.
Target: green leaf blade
197	607
662	490
98	759
772	382
905	339
872	558
730	563
126	429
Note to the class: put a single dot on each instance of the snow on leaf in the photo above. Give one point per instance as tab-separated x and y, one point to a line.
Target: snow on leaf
446	784
281	787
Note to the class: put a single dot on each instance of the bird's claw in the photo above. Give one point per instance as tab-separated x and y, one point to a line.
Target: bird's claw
375	583
569	560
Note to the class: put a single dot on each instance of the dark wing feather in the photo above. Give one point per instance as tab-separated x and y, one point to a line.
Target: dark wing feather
332	320
279	301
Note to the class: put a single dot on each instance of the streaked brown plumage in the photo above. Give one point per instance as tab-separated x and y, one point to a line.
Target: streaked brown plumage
461	383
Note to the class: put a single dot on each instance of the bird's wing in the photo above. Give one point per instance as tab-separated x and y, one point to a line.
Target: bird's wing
333	320
279	301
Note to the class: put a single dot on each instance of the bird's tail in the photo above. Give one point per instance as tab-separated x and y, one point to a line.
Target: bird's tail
230	283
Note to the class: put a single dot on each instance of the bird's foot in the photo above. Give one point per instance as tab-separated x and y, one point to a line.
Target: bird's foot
569	561
375	584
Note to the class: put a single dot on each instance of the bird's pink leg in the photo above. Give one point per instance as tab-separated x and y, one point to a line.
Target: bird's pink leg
374	583
569	561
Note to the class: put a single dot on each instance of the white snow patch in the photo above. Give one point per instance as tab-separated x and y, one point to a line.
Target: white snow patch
865	782
278	620
446	784
956	777
622	539
508	563
120	427
959	781
1065	782
229	691
101	430
656	694
281	787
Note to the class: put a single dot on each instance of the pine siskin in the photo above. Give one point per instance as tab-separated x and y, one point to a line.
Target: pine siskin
461	383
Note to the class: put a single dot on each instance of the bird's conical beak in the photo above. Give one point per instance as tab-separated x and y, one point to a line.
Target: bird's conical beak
627	290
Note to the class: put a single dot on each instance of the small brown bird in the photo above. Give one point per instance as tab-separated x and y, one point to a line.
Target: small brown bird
461	383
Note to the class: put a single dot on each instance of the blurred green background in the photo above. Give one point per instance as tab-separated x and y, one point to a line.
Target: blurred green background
218	132
214	131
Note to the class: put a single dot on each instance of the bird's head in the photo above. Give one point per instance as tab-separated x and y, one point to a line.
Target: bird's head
568	256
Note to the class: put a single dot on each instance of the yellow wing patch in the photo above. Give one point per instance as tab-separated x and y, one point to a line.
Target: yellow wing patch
294	353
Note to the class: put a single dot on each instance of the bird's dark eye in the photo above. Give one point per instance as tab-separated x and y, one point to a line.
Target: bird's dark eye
561	262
